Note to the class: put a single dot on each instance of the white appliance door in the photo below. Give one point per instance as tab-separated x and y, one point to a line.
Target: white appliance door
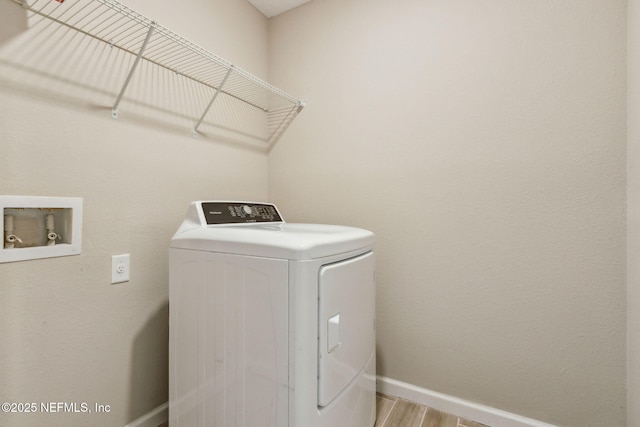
346	323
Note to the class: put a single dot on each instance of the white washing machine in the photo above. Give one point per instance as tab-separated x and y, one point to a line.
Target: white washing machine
272	324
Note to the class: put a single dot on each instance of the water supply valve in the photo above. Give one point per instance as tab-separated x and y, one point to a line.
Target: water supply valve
10	239
51	238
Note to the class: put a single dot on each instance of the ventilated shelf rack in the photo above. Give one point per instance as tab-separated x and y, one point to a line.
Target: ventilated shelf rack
120	27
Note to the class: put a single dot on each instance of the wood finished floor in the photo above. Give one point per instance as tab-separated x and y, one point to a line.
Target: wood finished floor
396	412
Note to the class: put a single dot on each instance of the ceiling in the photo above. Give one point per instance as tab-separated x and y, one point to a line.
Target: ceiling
271	8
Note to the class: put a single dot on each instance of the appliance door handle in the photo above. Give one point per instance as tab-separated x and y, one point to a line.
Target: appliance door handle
333	333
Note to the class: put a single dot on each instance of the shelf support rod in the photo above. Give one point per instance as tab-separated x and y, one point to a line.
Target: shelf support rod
215	95
114	109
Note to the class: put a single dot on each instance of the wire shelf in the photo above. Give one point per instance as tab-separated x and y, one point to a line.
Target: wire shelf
121	27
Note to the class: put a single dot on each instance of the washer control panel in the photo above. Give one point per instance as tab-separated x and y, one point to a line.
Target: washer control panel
239	213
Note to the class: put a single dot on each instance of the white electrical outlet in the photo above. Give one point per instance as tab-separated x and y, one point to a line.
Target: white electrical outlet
119	268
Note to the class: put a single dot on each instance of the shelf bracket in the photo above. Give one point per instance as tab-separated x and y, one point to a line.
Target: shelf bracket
114	109
215	95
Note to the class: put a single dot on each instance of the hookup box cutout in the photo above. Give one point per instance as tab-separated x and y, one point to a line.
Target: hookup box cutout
40	227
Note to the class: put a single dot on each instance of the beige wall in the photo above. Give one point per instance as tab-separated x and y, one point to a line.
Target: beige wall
484	144
633	203
68	335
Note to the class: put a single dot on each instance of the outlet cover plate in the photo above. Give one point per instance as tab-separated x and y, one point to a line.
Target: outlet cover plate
120	268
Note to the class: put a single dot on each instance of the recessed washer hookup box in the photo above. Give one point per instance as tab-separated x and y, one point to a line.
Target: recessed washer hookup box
40	227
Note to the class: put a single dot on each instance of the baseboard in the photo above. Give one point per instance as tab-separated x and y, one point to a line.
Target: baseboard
443	402
453	405
153	418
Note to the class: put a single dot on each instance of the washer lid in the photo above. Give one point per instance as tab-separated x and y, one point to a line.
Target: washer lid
268	239
286	240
